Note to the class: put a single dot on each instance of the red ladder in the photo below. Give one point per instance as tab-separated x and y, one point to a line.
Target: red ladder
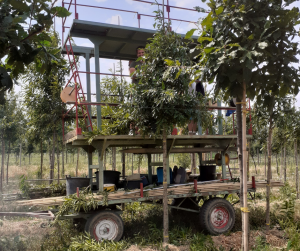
78	89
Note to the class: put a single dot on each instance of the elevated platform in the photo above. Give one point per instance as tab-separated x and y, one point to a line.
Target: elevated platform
199	143
114	41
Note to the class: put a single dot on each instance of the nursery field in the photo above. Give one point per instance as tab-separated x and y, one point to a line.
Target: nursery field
143	222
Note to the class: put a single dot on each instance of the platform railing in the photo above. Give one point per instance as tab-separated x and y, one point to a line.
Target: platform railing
138	15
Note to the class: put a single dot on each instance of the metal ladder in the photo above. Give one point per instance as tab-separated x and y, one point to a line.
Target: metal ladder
78	88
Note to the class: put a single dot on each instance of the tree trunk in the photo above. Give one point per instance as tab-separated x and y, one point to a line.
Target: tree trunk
63	160
29	158
57	154
66	156
245	215
2	164
42	156
52	158
240	145
165	192
277	167
269	147
7	162
20	154
77	162
254	162
284	169
297	173
257	156
266	162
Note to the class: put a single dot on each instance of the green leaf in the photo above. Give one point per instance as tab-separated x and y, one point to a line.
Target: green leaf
251	37
209	50
169	62
201	39
219	10
190	33
60	11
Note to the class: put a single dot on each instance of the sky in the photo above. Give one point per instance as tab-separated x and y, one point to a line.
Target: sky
129	19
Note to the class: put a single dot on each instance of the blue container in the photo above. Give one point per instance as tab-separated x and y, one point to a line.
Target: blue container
160	175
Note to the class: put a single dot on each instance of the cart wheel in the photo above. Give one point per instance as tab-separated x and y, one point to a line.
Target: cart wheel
105	225
217	216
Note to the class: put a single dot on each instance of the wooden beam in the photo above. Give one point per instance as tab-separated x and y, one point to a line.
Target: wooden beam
176	150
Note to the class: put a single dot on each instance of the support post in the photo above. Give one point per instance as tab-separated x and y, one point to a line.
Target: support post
97	43
88	83
149	168
166	181
223	166
220	119
90	162
101	178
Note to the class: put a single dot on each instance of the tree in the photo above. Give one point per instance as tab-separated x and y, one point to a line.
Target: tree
11	126
22	26
247	47
42	96
161	98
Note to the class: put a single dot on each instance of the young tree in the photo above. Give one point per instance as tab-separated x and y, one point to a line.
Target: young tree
42	95
11	127
161	98
247	47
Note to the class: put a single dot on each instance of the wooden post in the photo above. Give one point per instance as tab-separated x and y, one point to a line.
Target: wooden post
123	164
90	162
149	168
165	192
297	173
113	153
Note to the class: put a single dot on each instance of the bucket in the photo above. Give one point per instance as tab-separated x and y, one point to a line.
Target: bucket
207	173
110	177
73	183
109	187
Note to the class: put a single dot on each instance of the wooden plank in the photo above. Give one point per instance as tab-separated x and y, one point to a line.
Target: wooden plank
176	150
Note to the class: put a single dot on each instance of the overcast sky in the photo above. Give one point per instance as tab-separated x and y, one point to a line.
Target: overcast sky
130	19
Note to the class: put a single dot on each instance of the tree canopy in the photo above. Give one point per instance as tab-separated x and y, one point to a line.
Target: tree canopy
22	37
250	42
162	98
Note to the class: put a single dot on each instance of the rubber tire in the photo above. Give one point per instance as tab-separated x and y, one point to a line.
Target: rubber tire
105	215
205	216
186	204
